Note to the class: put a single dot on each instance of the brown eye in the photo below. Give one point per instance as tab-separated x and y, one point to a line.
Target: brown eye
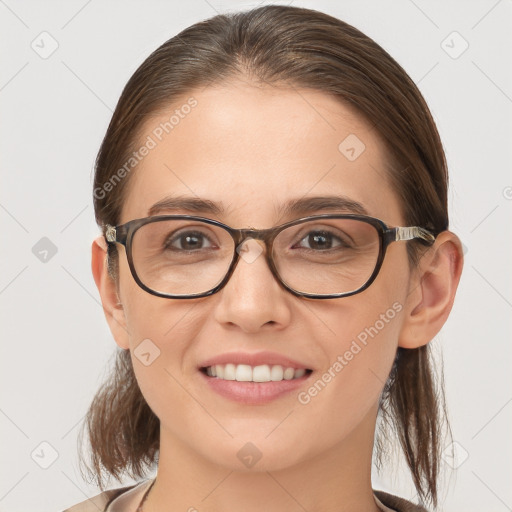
188	241
322	240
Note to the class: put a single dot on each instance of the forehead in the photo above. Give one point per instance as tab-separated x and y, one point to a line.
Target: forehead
251	149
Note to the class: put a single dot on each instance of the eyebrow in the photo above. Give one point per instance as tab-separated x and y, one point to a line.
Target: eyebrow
301	206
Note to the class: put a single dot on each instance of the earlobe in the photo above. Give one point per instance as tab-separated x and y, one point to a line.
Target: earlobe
432	292
107	288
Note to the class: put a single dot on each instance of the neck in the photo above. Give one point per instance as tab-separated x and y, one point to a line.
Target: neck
338	479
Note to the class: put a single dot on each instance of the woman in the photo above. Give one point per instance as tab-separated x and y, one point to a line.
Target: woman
274	260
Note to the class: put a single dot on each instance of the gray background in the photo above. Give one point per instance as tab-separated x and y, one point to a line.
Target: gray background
55	110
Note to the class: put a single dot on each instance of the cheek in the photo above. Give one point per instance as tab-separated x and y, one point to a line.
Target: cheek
342	399
156	356
160	325
359	349
369	336
161	333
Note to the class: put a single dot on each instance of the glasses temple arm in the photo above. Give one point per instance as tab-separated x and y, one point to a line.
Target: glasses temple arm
409	233
110	233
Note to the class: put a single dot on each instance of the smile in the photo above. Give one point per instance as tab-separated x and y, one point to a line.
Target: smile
261	373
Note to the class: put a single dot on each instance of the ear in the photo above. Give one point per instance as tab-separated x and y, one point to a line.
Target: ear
432	291
112	306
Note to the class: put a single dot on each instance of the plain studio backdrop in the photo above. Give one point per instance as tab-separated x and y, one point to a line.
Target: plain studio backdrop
63	67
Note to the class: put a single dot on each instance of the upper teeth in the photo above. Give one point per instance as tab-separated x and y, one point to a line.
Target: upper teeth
246	373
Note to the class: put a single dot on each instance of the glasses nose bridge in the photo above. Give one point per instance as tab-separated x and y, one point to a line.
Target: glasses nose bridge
265	235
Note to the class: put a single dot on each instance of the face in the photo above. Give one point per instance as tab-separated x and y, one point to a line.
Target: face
252	150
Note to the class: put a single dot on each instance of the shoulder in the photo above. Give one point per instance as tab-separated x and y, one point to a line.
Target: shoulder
110	500
395	503
99	502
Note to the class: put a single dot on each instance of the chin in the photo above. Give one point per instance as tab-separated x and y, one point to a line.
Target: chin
255	453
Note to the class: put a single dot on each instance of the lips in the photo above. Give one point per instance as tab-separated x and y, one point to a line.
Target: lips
254	359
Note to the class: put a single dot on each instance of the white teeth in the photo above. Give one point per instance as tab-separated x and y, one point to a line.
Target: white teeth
229	371
261	373
247	373
276	373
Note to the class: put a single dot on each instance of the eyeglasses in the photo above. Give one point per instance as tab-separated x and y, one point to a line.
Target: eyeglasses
320	257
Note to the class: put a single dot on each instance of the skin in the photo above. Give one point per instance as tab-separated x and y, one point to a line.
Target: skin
254	148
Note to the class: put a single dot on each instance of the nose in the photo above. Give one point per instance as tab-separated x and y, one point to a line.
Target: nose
250	249
252	298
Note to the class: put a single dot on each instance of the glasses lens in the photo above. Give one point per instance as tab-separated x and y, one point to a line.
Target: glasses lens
327	256
181	257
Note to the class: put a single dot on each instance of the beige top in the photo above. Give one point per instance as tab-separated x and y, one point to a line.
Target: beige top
128	499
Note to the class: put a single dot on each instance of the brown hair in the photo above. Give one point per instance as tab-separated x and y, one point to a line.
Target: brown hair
303	48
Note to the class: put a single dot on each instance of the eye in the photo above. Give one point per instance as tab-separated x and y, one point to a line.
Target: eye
323	240
188	241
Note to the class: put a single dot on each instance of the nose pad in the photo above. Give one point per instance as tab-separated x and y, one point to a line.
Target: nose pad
250	249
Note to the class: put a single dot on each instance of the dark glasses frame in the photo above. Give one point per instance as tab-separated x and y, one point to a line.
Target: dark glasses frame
123	234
